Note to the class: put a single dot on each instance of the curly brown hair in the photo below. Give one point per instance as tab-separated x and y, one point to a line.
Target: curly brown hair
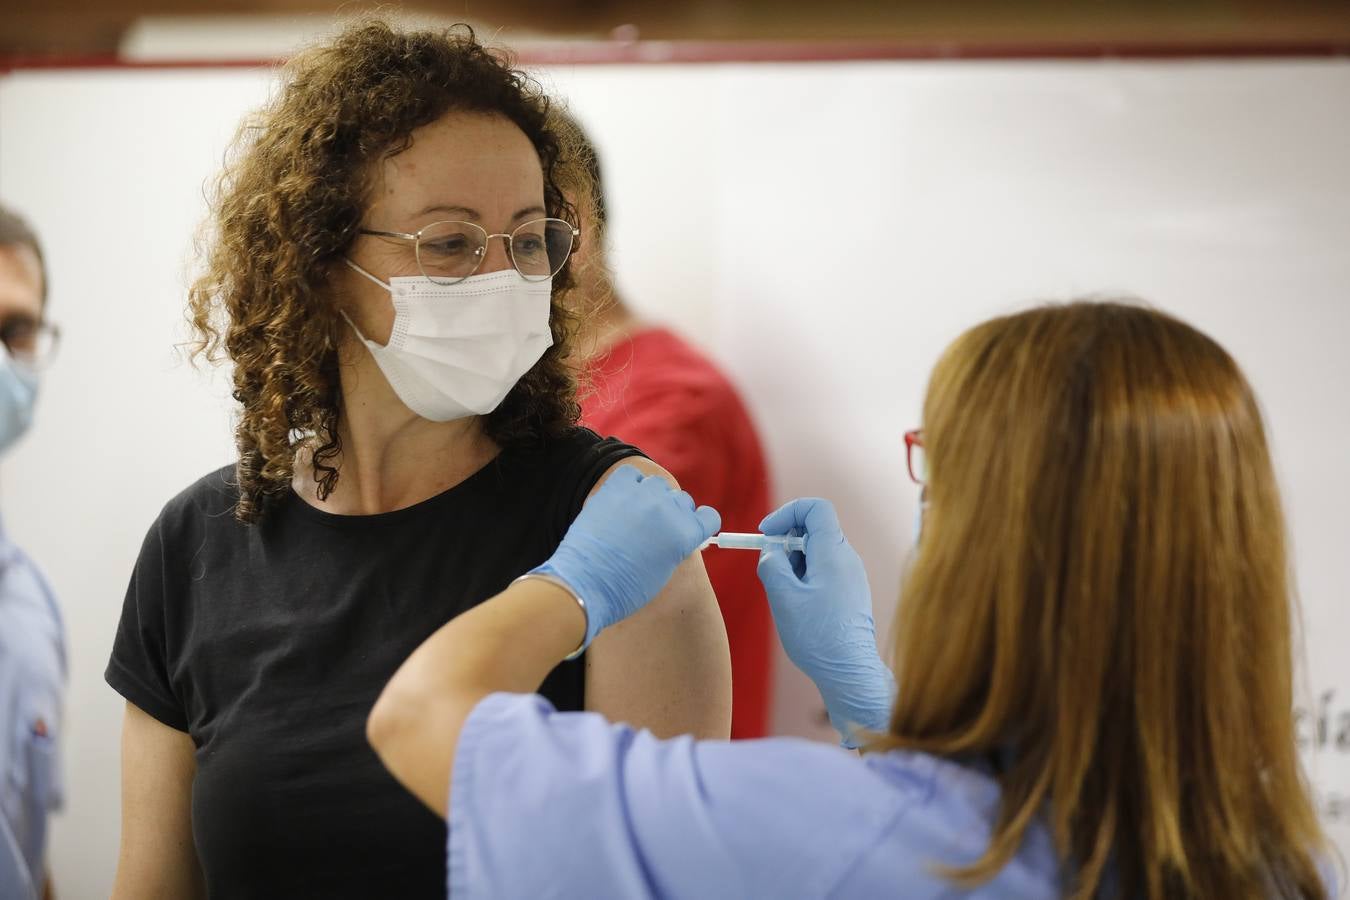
289	203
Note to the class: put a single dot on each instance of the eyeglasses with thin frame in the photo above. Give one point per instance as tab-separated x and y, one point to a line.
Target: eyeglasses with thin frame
28	340
915	457
449	252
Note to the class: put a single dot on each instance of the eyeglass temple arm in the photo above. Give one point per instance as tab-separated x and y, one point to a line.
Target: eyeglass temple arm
389	234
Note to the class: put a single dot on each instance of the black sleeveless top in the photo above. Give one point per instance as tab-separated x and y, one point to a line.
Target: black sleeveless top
268	644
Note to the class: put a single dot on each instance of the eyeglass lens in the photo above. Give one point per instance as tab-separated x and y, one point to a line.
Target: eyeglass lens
452	251
27	339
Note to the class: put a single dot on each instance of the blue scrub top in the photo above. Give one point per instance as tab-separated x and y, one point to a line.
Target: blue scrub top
32	683
549	804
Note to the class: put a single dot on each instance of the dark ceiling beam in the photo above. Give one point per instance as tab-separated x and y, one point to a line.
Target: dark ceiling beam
69	27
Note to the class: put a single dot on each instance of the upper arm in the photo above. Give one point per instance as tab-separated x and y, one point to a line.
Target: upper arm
158	858
667	668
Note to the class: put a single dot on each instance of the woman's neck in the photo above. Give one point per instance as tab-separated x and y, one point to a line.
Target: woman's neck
391	457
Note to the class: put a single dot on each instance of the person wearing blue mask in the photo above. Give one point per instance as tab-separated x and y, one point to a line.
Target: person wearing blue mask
32	642
1093	654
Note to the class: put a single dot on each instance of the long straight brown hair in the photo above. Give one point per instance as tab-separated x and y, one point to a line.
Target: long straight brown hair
1102	598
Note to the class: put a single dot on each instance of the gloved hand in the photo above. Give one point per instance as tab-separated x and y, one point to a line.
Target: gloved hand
822	607
625	544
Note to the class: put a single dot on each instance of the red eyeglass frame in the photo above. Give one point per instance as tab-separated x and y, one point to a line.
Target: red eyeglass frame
913	439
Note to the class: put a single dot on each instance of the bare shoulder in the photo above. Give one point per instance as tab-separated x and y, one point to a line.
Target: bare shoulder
642	464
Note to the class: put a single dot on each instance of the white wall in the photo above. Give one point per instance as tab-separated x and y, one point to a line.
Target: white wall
823	229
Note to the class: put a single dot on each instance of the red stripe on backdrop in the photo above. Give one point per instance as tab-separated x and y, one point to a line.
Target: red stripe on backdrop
696	52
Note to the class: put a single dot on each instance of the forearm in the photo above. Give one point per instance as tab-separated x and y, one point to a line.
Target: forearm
509	643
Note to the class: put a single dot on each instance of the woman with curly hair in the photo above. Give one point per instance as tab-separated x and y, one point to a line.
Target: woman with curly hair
388	276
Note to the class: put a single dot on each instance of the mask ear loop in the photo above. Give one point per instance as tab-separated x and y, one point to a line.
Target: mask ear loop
364	339
365	274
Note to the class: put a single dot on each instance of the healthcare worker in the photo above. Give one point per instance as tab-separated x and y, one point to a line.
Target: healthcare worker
32	635
1093	653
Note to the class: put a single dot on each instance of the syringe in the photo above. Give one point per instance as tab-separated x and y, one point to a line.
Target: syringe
730	540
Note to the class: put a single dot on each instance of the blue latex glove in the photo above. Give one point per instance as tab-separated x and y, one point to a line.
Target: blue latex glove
822	607
626	543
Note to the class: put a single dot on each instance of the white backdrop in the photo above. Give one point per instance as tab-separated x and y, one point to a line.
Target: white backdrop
823	229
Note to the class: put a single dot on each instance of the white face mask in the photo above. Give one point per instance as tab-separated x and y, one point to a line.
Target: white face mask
457	350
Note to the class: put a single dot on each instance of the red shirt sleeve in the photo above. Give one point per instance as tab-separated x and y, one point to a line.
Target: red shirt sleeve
671	402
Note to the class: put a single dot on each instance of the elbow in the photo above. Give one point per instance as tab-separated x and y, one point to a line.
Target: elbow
387	726
407	729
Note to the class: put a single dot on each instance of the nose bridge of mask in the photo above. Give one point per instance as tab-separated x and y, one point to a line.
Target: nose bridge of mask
472	309
423	307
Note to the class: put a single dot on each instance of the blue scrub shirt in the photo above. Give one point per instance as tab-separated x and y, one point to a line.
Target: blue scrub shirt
32	683
548	804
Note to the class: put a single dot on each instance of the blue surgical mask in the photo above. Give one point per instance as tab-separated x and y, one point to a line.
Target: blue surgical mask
18	394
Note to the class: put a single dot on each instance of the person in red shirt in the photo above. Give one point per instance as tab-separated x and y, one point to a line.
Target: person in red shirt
647	386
